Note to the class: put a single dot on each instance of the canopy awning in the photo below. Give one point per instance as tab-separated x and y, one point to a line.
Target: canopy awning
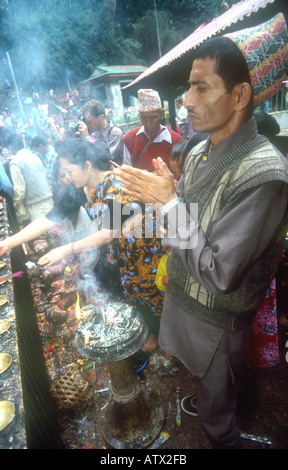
169	75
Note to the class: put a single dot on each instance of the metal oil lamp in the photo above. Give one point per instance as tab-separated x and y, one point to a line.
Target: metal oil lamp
134	417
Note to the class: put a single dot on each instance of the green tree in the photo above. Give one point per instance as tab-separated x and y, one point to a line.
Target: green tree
51	41
176	21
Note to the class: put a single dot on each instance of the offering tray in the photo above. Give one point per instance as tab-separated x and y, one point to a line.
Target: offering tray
115	331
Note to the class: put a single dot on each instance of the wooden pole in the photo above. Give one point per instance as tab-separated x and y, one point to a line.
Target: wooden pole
15	85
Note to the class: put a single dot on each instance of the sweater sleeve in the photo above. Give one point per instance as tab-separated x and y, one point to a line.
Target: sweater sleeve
242	233
19	188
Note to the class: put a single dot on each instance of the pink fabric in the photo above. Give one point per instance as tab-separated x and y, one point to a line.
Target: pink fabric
264	350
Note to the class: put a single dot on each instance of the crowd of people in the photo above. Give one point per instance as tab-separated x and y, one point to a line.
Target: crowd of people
198	278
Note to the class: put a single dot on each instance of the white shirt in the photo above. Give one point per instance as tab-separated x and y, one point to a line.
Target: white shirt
182	116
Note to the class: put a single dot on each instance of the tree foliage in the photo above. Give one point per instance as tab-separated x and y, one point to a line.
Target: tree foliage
58	40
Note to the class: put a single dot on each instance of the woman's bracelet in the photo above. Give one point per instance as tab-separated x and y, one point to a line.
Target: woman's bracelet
9	245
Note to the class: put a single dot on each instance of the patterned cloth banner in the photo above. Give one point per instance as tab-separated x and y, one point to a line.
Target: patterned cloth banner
265	48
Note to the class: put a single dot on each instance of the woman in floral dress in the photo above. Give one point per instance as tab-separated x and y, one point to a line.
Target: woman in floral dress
137	252
135	255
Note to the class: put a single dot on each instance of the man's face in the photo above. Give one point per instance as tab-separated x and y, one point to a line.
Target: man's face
210	108
93	122
151	122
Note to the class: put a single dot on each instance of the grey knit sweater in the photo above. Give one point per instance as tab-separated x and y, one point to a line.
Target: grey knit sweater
34	174
254	163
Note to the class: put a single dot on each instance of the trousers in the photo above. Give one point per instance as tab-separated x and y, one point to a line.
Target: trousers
217	390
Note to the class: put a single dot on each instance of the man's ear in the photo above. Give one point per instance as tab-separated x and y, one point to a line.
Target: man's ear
243	94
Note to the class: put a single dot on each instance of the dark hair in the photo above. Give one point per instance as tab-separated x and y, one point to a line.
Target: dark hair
266	124
55	169
36	141
15	143
230	63
93	107
56	187
177	150
77	152
179	100
181	149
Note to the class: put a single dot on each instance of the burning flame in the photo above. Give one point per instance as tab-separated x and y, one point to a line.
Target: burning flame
79	316
86	337
77	308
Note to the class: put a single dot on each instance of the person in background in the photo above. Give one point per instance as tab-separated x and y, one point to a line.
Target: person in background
264	348
32	195
161	275
182	118
46	153
177	130
60	178
136	241
6	192
274	305
5	159
76	227
152	139
126	114
180	152
176	160
267	124
223	258
95	127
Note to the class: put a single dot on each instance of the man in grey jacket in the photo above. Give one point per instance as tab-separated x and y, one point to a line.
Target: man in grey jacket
237	179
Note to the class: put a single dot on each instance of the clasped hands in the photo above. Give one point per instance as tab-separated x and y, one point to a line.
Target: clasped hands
143	185
146	186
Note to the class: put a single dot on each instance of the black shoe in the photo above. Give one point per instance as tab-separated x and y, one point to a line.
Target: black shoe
189	405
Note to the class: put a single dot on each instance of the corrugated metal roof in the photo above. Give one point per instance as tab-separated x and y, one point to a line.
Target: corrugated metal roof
236	13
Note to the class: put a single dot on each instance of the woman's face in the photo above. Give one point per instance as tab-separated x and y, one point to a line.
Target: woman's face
76	175
63	177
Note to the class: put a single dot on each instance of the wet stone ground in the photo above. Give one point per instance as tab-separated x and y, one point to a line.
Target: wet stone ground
262	411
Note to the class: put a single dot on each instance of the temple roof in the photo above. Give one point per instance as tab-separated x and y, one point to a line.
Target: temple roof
114	70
